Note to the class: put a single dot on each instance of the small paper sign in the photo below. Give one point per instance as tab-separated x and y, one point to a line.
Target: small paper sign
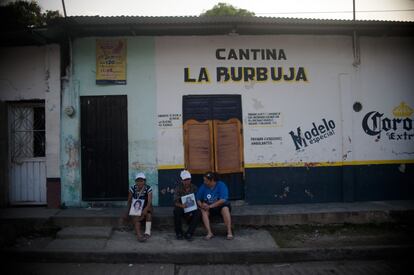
189	202
136	207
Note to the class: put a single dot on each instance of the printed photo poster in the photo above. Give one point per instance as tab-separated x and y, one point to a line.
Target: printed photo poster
136	207
111	61
189	202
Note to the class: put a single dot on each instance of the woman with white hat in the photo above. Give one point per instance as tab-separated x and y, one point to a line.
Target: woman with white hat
141	191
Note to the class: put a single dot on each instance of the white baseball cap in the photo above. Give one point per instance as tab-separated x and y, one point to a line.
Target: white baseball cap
185	175
140	175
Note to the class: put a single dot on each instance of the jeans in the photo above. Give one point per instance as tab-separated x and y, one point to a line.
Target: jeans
192	219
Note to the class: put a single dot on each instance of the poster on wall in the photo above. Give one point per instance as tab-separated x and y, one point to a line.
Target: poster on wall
111	61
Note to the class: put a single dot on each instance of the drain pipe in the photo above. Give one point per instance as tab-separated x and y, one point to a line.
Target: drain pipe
355	41
69	109
70	40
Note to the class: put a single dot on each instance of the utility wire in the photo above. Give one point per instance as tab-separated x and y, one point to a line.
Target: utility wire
313	12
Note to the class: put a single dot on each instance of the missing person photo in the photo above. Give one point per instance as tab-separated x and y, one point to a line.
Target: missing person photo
189	202
136	207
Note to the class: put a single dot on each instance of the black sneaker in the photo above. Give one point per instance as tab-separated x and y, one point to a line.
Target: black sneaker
188	237
179	236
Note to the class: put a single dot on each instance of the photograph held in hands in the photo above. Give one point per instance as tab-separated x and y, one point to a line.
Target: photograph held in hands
136	207
189	202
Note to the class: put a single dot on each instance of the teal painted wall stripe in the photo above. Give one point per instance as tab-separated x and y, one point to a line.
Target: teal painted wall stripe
141	95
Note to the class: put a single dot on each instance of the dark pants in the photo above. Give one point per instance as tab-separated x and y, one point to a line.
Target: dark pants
192	219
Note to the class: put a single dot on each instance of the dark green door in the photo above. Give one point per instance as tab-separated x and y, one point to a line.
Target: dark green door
104	153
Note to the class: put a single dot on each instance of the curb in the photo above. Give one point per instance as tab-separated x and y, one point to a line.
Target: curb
231	257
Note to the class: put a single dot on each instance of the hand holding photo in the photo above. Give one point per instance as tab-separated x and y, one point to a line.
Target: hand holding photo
189	202
136	207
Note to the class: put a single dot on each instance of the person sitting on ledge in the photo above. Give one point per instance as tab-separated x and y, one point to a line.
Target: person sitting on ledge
212	198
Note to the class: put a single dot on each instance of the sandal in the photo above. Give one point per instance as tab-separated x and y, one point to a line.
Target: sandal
208	237
229	237
141	239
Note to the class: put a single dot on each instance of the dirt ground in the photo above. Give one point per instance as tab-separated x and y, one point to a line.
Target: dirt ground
342	235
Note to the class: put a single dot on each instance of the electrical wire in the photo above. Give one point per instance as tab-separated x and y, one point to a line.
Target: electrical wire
318	12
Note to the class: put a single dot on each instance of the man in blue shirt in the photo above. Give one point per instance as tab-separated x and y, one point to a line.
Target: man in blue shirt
212	198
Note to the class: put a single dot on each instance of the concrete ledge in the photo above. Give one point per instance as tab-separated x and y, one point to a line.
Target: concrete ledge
86	221
113	221
76	245
244	215
319	218
165	218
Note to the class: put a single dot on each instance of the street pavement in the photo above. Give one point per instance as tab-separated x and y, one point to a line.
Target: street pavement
301	268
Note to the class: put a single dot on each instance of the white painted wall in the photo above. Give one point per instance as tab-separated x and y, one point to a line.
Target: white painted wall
382	81
22	74
299	103
141	96
29	73
52	110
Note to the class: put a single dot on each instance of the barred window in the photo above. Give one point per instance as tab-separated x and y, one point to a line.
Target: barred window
27	125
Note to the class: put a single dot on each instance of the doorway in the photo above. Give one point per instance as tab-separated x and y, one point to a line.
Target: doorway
104	150
213	139
27	161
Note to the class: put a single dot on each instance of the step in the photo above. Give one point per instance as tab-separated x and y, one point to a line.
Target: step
85	232
255	215
162	246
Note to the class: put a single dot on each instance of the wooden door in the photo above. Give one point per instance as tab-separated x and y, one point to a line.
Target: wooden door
213	138
228	146
198	137
104	150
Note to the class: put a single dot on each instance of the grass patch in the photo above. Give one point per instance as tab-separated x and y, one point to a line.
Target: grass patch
341	235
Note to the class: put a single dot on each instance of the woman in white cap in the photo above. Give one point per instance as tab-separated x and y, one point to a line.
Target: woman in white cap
140	190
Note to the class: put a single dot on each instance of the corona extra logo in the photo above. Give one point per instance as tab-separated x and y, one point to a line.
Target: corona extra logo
402	110
398	128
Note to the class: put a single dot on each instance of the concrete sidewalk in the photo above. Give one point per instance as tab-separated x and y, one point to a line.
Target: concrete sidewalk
248	246
96	235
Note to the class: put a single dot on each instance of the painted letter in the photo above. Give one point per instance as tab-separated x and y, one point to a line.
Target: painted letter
218	56
297	139
187	76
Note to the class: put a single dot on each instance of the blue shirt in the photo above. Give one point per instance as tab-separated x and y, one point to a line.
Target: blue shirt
210	196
